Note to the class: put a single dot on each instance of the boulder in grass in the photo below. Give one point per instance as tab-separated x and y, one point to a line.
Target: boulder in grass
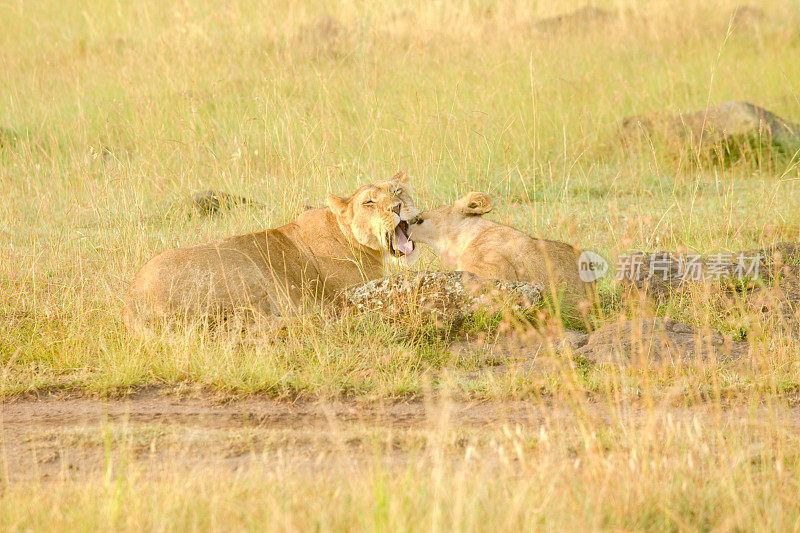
445	296
660	275
727	127
580	18
643	342
777	305
658	340
746	16
325	36
529	351
778	260
211	202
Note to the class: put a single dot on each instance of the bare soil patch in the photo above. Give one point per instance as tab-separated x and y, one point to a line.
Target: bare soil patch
59	436
157	432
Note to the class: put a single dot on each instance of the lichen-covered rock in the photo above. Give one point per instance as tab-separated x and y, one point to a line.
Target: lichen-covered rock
731	123
445	295
657	340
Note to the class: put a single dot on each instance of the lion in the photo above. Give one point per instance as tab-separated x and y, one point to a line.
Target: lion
468	242
279	272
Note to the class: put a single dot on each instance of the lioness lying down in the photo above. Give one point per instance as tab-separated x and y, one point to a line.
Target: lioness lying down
278	271
466	241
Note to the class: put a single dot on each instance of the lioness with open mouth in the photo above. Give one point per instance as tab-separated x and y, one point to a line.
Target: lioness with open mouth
279	271
466	241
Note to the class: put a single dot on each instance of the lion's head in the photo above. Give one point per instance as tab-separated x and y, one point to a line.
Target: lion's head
377	216
448	220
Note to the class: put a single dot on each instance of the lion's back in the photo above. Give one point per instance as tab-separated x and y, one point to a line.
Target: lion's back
504	252
215	278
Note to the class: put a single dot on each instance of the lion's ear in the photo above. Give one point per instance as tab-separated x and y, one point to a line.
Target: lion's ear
401	177
474	203
337	205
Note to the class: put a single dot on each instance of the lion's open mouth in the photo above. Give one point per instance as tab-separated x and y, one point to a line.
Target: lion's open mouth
399	243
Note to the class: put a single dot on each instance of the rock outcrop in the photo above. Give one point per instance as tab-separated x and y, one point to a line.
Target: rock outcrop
746	16
445	296
657	340
722	127
211	202
662	274
642	342
580	18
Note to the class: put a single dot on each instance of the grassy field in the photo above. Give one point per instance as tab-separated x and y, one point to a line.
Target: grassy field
113	113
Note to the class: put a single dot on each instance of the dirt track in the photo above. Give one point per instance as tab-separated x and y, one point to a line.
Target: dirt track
157	432
154	406
58	436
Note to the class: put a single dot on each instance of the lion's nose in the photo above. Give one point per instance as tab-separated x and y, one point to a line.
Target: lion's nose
396	209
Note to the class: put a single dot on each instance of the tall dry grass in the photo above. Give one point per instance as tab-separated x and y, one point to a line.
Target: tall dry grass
113	112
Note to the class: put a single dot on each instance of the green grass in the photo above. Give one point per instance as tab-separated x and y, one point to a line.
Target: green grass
121	112
114	112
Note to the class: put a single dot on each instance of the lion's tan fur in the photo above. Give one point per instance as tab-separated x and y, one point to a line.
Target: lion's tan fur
277	271
466	241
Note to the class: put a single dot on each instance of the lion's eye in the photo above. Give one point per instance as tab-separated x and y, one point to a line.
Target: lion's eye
368	203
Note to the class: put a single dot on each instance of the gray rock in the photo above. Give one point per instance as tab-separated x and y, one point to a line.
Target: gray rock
443	295
641	342
534	351
723	126
325	36
657	340
777	306
211	202
662	274
746	16
776	258
580	18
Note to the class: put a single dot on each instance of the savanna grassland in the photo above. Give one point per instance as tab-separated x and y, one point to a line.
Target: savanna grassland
113	113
